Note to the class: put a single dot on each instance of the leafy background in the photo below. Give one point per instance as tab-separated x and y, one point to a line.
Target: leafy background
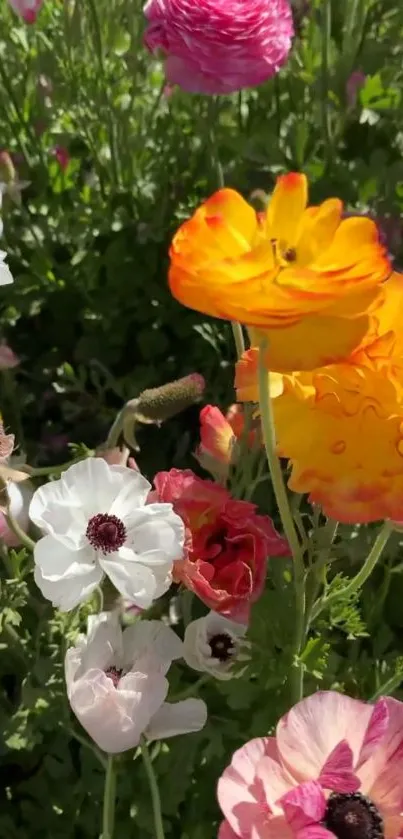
92	320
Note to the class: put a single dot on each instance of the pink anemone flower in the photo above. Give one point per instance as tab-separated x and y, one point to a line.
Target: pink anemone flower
334	769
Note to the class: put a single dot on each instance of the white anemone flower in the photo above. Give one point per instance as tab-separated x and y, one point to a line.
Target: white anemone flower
116	684
5	274
213	643
98	523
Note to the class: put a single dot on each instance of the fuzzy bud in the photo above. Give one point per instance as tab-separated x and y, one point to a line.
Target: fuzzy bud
161	403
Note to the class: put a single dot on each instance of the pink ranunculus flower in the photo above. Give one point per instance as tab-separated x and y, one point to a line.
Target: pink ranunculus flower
334	770
27	9
219	46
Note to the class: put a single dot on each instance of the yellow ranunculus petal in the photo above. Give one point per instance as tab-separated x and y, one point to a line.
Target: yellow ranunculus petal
313	342
295	265
287	204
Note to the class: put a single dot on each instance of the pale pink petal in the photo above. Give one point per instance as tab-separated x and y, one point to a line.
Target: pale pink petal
225	831
304	805
376	730
337	773
270	828
389	751
116	718
315	831
276	782
176	718
307	735
236	789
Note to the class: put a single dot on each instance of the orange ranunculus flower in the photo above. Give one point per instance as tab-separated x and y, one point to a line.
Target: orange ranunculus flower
303	275
341	426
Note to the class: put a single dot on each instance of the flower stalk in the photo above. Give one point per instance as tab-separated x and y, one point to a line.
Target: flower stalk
108	815
218	178
358	581
154	790
280	492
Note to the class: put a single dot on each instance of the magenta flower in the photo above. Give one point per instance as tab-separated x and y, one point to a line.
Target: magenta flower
333	770
62	156
354	84
27	9
219	46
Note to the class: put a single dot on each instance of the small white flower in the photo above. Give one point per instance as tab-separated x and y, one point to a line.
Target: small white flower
97	522
212	643
5	273
116	684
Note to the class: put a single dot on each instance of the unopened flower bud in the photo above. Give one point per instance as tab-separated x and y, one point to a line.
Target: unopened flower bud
161	403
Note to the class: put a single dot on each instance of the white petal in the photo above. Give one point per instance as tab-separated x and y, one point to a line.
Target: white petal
65	577
99	485
55	510
153	639
5	274
155	532
71	594
20	496
216	624
197	651
116	718
104	645
177	718
132	495
132	579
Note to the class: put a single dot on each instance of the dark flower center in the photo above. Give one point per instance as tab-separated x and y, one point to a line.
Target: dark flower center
114	674
106	533
222	647
353	816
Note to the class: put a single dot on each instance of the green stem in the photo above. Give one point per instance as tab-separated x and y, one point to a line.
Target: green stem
326	38
105	91
218	178
155	793
389	686
23	537
42	471
238	338
269	438
108	817
358	581
115	431
192	690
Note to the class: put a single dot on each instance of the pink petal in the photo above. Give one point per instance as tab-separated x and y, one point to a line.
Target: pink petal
337	773
309	733
236	789
226	832
304	805
276	782
376	730
388	755
314	831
